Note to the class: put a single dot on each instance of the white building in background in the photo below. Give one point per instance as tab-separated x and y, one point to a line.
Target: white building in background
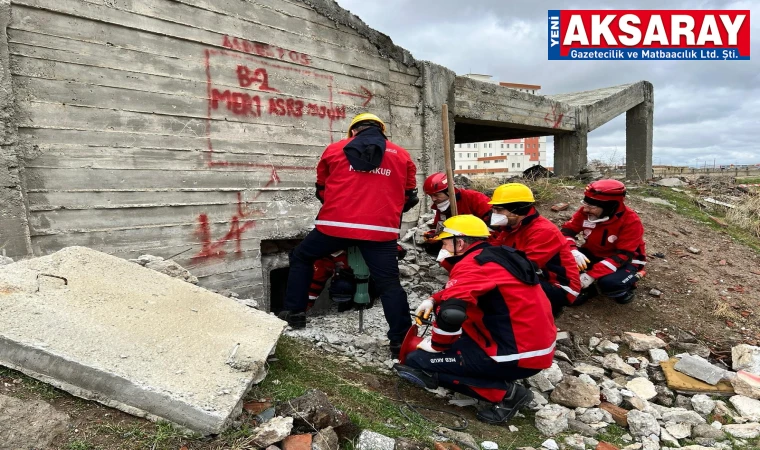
500	158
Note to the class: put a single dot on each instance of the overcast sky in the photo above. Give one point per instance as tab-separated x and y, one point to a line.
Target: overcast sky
704	110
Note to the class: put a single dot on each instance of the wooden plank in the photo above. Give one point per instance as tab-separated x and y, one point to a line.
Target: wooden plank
272	36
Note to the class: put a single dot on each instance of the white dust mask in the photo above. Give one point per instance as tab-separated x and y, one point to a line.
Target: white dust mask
499	220
443	206
443	254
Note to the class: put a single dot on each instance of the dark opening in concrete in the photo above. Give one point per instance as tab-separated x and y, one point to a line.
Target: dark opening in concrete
278	283
470	130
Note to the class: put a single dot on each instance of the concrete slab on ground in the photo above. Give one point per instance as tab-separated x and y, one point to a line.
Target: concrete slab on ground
109	330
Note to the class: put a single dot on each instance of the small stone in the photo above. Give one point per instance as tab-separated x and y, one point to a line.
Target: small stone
582	428
746	384
665	396
743	431
655	292
592	415
700	369
593	342
489	445
594	372
642	424
702	404
641	342
550	444
540	382
575	393
554	374
612	395
575	442
747	358
513	429
683	402
607	347
643	388
679	430
586	379
746	407
682	416
615	363
667	438
707	431
552	420
272	431
694	250
658	355
694	349
369	440
327	439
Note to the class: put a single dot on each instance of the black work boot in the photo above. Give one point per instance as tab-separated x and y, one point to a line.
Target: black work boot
501	412
295	320
395	348
417	376
625	299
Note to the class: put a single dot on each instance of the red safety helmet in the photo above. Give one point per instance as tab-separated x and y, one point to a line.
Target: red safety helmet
436	182
604	190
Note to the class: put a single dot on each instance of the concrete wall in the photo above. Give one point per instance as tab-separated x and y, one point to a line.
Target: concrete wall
188	127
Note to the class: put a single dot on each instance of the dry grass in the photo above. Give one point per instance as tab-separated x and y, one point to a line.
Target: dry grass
746	214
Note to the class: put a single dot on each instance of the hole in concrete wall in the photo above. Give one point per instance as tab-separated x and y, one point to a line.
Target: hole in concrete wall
278	283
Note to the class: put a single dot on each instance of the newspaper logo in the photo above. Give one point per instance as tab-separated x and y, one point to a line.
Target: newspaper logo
649	35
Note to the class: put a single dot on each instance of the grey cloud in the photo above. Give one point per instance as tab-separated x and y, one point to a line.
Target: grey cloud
702	108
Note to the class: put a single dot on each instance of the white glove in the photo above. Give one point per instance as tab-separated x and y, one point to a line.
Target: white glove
427	346
586	280
580	259
424	309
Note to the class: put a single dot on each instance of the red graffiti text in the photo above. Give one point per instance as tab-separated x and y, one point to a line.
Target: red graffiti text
238	103
246	78
266	50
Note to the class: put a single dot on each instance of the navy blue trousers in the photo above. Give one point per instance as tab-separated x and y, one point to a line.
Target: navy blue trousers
382	261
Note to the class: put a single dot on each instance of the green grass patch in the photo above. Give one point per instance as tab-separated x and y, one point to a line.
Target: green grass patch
748	180
688	206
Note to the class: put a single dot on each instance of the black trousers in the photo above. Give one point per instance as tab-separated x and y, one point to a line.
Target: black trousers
382	261
467	369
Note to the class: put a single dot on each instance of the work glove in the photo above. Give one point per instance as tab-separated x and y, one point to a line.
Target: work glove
427	346
586	280
429	235
423	310
580	259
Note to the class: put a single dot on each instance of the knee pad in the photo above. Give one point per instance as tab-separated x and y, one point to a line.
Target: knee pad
451	314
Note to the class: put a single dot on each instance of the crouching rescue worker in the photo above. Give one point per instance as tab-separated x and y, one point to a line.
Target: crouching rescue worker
614	250
468	202
519	225
364	183
493	323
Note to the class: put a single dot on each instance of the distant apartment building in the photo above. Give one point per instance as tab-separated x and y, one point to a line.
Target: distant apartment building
500	158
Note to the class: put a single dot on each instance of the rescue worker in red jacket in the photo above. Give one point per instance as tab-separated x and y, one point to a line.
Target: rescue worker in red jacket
468	202
364	182
493	323
614	250
520	226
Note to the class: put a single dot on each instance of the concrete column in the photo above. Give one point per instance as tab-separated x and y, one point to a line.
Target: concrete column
437	89
14	226
570	153
639	131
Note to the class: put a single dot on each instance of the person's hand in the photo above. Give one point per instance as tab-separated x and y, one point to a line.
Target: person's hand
580	259
586	280
423	310
427	346
429	235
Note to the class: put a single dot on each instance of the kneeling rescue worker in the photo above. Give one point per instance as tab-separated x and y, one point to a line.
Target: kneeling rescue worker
468	202
519	225
493	323
614	249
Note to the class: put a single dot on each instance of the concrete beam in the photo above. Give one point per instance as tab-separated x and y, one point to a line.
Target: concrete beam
437	89
487	102
607	103
14	225
112	331
639	132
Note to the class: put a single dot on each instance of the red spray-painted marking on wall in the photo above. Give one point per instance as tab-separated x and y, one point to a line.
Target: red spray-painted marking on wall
266	50
554	119
240	222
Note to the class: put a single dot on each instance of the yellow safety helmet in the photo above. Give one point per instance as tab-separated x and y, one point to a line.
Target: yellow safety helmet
363	117
512	193
464	225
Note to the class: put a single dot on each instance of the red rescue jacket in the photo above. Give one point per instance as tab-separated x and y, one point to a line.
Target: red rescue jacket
468	202
509	319
545	245
363	205
611	244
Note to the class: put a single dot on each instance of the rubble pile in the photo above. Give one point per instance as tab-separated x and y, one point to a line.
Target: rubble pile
165	266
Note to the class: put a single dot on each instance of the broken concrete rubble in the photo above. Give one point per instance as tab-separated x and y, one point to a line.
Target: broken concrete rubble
700	369
746	358
641	342
109	330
